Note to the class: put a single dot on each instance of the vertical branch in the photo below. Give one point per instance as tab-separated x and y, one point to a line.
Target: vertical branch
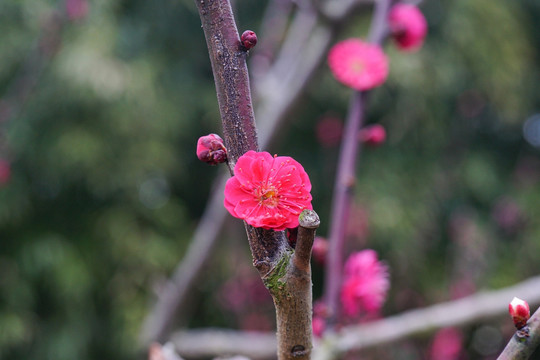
342	199
346	178
293	301
289	284
228	60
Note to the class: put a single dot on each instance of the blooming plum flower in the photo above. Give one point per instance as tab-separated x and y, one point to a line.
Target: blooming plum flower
519	311
268	191
408	26
357	64
365	283
211	150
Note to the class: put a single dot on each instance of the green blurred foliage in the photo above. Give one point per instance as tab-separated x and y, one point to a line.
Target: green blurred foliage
105	189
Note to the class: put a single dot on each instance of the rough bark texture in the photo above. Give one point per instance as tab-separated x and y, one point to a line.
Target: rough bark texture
524	342
290	286
228	59
286	275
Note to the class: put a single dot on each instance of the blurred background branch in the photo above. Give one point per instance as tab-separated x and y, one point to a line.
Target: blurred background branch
417	322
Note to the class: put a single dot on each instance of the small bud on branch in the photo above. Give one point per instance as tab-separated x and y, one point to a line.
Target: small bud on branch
211	150
248	39
520	312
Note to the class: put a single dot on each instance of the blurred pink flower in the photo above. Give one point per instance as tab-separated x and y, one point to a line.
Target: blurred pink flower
447	344
329	130
76	9
373	135
318	324
357	64
408	26
5	172
320	249
365	283
268	191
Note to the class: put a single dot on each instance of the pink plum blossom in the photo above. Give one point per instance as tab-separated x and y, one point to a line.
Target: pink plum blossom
268	191
365	283
408	26
447	344
357	64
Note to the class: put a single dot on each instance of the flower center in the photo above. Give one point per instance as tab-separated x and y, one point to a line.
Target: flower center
268	196
357	66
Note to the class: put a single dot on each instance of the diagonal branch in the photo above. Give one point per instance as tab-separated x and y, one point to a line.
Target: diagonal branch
521	347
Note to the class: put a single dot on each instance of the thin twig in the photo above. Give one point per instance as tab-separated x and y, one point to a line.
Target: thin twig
346	178
175	293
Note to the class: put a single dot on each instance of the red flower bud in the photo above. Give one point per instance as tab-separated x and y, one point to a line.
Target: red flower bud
520	312
211	150
373	135
248	39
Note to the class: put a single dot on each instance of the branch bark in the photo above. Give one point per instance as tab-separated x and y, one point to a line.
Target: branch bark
289	285
293	303
277	94
521	347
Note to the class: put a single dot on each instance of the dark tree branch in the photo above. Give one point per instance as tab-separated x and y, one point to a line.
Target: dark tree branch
289	286
276	98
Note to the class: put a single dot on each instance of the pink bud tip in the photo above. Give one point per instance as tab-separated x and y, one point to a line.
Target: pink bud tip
519	311
210	149
373	135
249	39
408	26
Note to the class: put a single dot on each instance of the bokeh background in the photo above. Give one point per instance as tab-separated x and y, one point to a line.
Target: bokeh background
101	104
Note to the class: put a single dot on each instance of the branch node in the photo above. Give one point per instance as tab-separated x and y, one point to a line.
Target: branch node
309	219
